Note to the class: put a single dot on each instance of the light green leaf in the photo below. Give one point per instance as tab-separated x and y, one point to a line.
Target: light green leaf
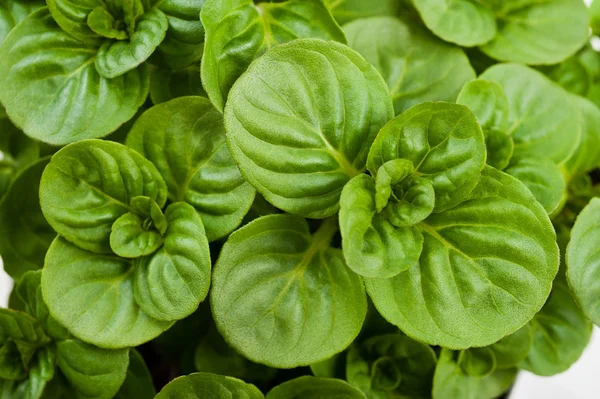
348	10
595	16
72	17
91	371
477	362
443	141
543	121
301	120
389	175
170	284
416	66
207	385
583	261
486	268
488	102
538	32
451	382
238	31
467	23
587	155
24	233
334	367
103	23
185	139
166	84
92	295
514	348
560	334
51	90
14	11
21	328
129	238
315	388
116	58
543	178
138	381
147	207
284	298
89	184
572	74
184	41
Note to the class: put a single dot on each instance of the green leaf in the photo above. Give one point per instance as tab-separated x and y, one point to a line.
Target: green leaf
451	382
587	155
21	328
41	372
116	58
514	348
147	207
315	388
595	16
24	233
538	32
543	121
185	139
301	120
51	90
89	184
443	141
348	10
583	261
72	17
129	238
572	74
486	268
91	371
467	23
284	298
170	284
184	41
334	367
207	385
138	381
11	364
14	11
103	23
543	178
93	296
391	365
477	362
560	334
238	31
167	84
416	66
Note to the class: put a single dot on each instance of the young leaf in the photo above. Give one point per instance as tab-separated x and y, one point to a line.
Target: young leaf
560	334
170	284
207	385
116	58
284	298
41	372
301	120
138	381
129	238
93	296
416	66
89	184
238	31
25	234
51	90
166	84
14	11
543	121
103	23
185	139
486	268
72	17
315	388
348	10
583	261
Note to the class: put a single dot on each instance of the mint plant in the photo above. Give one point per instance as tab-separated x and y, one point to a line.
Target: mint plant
296	198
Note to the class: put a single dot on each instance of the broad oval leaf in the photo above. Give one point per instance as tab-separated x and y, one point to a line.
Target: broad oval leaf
583	261
72	17
170	284
91	371
238	31
543	121
14	11
166	84
467	23
89	184
315	388
538	32
301	120
52	91
116	58
443	141
561	332
92	295
207	385
129	238
416	66
284	298
138	381
185	139
348	10
25	233
587	155
486	268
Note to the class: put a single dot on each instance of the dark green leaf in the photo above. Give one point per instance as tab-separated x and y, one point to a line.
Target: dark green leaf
138	383
167	85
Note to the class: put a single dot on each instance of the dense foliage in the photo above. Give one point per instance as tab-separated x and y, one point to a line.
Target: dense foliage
296	199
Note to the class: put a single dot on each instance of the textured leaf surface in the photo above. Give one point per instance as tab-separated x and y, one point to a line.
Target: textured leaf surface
14	11
316	388
72	17
185	139
284	298
129	238
416	66
89	184
51	90
207	385
238	31
301	120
